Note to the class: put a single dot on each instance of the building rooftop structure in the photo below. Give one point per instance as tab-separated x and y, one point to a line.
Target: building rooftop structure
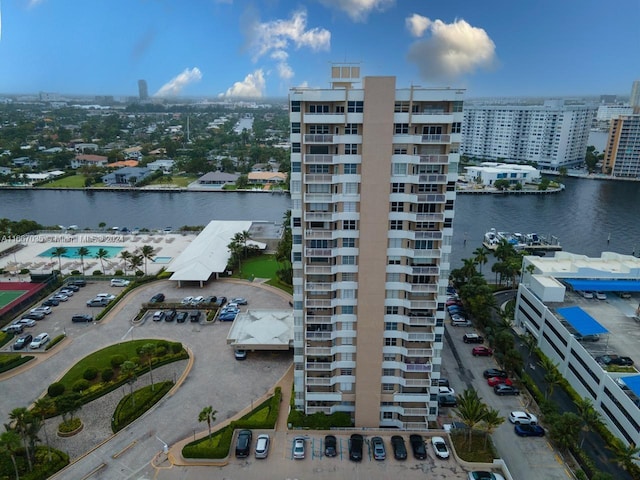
262	330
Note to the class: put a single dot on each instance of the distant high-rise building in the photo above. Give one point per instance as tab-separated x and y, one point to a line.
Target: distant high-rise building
634	99
373	171
143	90
622	153
553	135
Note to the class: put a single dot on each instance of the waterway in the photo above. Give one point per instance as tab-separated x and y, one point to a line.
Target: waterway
589	217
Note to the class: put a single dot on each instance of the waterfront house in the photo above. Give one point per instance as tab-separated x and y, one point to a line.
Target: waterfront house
126	176
218	178
267	177
164	164
488	172
82	160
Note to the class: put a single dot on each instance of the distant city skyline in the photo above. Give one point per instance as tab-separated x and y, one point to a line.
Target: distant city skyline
261	49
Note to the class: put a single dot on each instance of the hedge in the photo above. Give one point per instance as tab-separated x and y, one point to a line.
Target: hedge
55	341
145	398
11	361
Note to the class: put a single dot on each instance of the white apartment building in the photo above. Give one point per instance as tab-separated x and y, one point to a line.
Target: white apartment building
551	307
373	190
488	172
553	135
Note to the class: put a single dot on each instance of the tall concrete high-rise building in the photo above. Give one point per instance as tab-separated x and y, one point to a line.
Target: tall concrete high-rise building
634	98
373	190
622	152
143	90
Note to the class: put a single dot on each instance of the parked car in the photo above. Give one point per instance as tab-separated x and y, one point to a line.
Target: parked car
447	401
243	443
108	296
379	452
22	341
39	341
355	447
157	316
587	338
27	322
417	445
480	475
529	430
240	354
399	447
181	317
493	381
79	282
64	291
440	447
472	338
461	322
211	299
195	315
523	418
614	360
601	295
239	301
494	372
72	287
98	302
33	316
298	448
157	298
227	316
51	302
503	389
330	446
232	306
197	300
587	294
119	282
442	390
81	318
61	297
443	382
186	300
481	351
262	446
46	310
15	328
170	316
220	301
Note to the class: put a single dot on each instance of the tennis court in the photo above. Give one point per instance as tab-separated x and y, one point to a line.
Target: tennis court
8	296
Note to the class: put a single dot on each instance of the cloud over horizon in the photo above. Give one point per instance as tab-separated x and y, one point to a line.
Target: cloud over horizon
358	10
174	87
452	49
253	86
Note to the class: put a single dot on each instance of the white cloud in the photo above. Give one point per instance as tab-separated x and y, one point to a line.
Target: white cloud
452	50
359	10
252	86
284	69
34	3
174	86
417	24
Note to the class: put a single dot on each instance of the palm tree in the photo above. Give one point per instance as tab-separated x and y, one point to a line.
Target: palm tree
9	443
471	410
481	256
126	256
564	430
135	262
208	414
41	408
492	420
128	370
83	252
101	254
552	377
148	350
625	455
148	253
588	414
531	343
21	417
59	252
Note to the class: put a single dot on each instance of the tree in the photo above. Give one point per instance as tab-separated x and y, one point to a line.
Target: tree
588	414
126	256
21	418
471	410
9	443
42	408
101	225
148	253
492	420
68	405
552	376
148	350
128	370
208	414
101	254
481	256
502	184
564	430
625	455
83	252
135	262
59	252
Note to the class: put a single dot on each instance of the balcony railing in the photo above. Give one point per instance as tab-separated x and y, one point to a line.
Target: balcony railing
318	252
418	367
436	138
434	159
317	351
318	381
419	352
319	158
319	319
325	410
319	366
318	234
318	335
318	138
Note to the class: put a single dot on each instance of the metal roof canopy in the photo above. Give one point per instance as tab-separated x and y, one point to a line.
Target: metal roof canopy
633	382
604	285
584	323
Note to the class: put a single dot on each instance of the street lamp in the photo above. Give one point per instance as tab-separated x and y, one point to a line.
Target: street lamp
165	447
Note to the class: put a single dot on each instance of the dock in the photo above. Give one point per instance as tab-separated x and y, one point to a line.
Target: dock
529	242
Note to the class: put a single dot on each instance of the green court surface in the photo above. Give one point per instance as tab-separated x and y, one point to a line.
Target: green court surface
8	296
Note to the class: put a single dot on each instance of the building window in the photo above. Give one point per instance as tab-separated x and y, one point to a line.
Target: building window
388	372
346	371
400	150
397	187
390	326
350	207
350	148
295	127
389	358
387	415
295	105
399	169
295	167
295	186
297	256
457	106
401	107
351	129
395	225
295	147
351	188
319	129
392	310
349	225
348	243
390	342
401	128
456	127
318	108
388	387
397	206
297	239
350	168
348	310
355	106
297	222
393	277
348	259
393	260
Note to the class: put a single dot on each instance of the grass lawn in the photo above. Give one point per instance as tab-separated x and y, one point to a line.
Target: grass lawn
180	181
74	181
477	451
263	266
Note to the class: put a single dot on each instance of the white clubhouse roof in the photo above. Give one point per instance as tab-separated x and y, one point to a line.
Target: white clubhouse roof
262	330
209	252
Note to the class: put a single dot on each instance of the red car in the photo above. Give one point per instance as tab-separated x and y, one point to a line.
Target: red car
482	351
493	381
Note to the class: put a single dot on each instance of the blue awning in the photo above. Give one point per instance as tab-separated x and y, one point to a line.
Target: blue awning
604	285
584	323
633	382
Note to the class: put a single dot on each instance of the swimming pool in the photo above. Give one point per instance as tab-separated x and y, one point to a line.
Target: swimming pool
72	252
162	259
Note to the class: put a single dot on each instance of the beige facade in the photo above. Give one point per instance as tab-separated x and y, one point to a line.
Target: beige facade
373	191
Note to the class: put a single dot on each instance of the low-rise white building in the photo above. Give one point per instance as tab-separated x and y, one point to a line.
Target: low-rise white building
553	307
488	172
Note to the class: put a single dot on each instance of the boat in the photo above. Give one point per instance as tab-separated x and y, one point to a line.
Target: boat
531	242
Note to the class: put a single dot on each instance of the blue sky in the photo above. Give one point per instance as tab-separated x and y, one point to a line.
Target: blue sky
498	48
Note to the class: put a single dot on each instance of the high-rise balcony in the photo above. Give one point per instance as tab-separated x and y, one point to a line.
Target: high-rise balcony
317	217
318	366
319	319
435	138
318	351
434	159
418	352
421	321
318	269
319	287
313	234
318	336
425	253
312	158
317	303
318	381
318	138
318	178
318	198
423	288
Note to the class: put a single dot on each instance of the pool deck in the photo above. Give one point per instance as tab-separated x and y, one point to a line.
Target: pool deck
164	244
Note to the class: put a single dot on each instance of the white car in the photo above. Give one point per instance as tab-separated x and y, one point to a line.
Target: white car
187	301
27	322
108	296
61	297
298	448
45	310
601	295
39	341
482	475
119	282
68	293
523	418
446	391
587	294
440	447
262	446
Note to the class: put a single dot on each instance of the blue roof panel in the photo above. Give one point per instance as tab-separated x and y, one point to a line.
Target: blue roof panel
633	382
604	285
584	323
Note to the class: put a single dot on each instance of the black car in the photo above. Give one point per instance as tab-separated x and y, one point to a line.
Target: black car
614	360
81	318
447	400
211	299
72	287
51	302
34	316
243	443
157	298
330	444
181	317
494	372
355	447
443	382
503	389
472	338
417	445
220	301
78	282
195	315
399	447
170	316
22	342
